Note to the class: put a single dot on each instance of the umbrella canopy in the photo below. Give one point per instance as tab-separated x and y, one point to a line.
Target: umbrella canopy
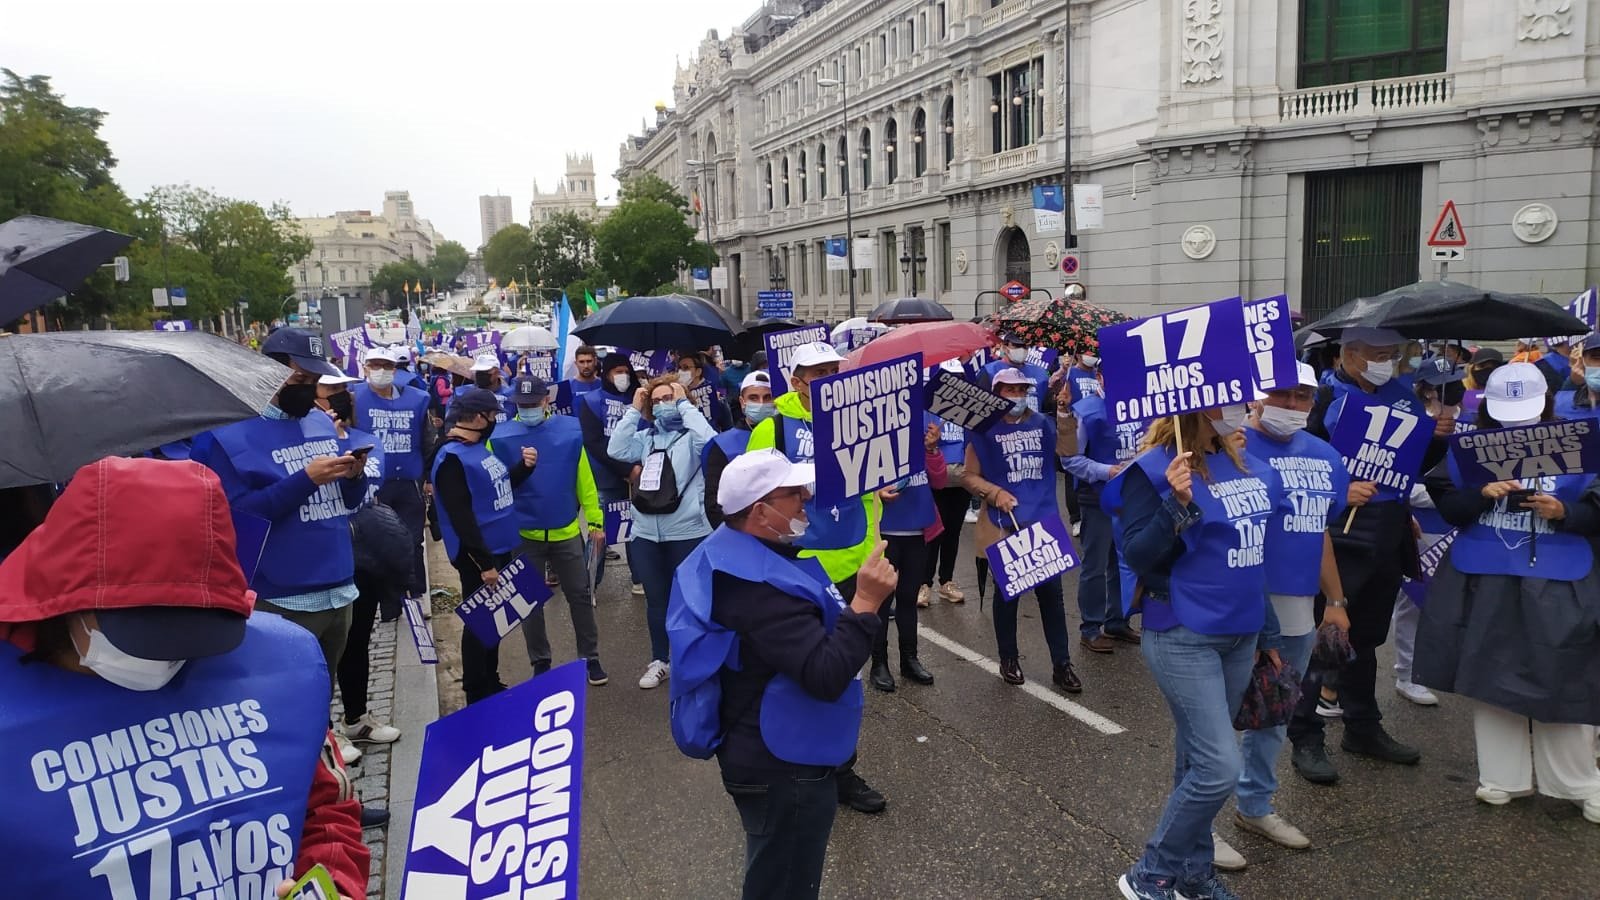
672	322
749	342
73	397
936	341
1449	309
450	362
1069	326
42	259
909	310
528	337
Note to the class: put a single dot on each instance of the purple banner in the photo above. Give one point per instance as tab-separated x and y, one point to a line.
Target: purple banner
960	402
661	362
1529	451
492	613
173	325
780	347
1270	335
619	521
541	364
1380	443
421	633
499	793
867	425
1177	362
1026	559
1043	357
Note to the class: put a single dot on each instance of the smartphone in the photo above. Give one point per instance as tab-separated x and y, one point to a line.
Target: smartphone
1519	499
317	885
361	452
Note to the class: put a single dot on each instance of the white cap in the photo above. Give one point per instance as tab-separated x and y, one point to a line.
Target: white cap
485	363
816	353
385	353
401	352
755	474
1515	392
755	378
1308	375
340	378
1009	375
1373	337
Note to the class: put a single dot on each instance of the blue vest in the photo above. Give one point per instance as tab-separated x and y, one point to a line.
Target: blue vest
1040	378
1517	542
354	438
834	528
398	424
796	727
913	510
199	786
549	497
1397	396
608	408
580	388
1567	406
1019	457
489	483
308	549
952	441
1315	488
732	443
1219	584
1083	384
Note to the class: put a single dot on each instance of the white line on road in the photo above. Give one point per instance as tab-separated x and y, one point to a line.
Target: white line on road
1082	713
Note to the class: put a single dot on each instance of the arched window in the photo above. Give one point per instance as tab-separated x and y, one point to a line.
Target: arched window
1018	257
947	121
801	173
769	185
866	158
919	143
822	171
784	170
891	162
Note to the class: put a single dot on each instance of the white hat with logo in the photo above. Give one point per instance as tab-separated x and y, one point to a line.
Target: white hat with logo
1515	392
756	474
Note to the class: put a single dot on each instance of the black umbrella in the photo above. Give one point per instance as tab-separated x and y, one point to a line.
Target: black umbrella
672	322
1447	309
756	329
909	310
68	398
42	259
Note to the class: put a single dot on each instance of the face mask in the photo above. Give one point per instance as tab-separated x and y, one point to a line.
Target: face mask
1018	355
297	399
686	378
797	529
380	378
759	412
1533	421
483	432
1232	420
668	417
1591	379
1019	407
533	416
1414	362
1091	361
343	406
1280	422
1379	373
621	383
125	671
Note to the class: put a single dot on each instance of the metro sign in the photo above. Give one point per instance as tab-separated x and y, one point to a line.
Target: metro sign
1015	290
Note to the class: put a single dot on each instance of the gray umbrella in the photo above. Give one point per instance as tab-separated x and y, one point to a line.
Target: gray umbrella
69	398
42	259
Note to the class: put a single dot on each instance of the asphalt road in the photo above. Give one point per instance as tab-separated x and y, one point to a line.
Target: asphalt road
995	792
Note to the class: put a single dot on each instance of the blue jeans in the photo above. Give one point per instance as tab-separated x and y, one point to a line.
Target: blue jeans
787	820
1052	615
1259	780
1202	677
655	564
1099	578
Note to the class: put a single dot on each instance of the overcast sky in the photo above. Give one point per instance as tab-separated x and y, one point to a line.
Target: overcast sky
328	104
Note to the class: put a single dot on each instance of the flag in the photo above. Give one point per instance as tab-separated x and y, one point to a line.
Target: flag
512	287
589	302
566	342
696	195
406	287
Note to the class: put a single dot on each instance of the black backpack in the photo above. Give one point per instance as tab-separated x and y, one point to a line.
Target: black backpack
382	542
666	496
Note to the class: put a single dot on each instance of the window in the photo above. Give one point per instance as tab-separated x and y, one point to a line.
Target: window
945	279
866	158
785	170
911	35
801	174
800	271
769	185
341	275
1357	40
947	120
883	50
822	171
891	163
865	275
1016	106
843	159
1362	232
888	262
944	28
822	268
919	143
916	246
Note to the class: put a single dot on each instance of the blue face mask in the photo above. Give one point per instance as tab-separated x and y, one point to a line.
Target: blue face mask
1591	378
759	412
668	417
533	415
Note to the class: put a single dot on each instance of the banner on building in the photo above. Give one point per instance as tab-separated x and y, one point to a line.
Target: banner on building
1048	208
702	278
838	251
719	278
1089	206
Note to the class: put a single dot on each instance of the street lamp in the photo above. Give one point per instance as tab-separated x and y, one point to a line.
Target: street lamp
707	204
844	171
911	267
777	278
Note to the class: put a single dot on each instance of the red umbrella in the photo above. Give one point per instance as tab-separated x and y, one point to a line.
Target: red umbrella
936	341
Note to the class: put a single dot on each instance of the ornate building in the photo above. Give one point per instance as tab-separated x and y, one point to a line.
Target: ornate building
1244	146
574	193
350	246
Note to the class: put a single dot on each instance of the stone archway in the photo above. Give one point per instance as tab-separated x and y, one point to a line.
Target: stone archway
1014	256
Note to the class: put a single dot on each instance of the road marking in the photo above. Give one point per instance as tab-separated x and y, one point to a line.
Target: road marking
1082	713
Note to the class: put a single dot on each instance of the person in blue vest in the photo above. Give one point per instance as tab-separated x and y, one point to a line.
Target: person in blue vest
1193	529
768	656
586	363
1375	553
598	413
474	494
158	631
705	392
1012	469
755	407
1299	565
952	501
1556	363
908	513
1014	356
1581	402
405	374
488	376
398	416
551	512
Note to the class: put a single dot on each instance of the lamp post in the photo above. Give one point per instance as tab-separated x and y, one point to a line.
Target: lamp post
706	204
911	266
778	279
844	184
1069	242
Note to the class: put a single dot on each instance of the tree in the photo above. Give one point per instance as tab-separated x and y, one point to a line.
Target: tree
507	252
563	250
646	241
250	248
449	261
390	281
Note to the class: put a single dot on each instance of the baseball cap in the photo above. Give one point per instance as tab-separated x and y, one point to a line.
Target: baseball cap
302	346
390	354
1372	337
1438	370
1012	337
1487	354
753	379
816	353
485	363
756	474
401	352
472	402
1010	376
530	390
336	378
1515	392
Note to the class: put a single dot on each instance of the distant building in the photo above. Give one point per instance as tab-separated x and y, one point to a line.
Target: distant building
350	246
574	193
494	213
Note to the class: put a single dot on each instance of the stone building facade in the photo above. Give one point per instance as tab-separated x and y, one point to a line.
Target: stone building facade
350	246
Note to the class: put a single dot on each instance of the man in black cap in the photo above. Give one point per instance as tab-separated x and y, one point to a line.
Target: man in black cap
598	413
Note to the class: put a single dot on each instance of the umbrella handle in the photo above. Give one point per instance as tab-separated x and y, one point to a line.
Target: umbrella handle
1014	525
1177	434
1348	520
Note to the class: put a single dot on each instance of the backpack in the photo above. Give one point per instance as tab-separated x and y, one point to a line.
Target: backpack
664	498
382	542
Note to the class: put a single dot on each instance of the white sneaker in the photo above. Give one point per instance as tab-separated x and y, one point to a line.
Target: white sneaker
1272	827
1591	809
369	730
654	674
638	589
1224	857
950	591
1077	529
971	518
1492	796
1416	693
922	595
349	752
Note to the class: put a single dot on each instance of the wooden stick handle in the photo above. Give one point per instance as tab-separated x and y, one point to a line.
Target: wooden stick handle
1349	519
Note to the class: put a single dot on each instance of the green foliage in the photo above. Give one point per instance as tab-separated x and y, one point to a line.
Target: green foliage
250	249
390	281
449	261
646	241
505	254
562	250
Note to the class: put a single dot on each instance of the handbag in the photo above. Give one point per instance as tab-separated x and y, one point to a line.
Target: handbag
1269	697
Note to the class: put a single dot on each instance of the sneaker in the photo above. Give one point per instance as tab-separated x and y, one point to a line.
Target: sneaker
1210	889
1077	528
1011	671
971	518
613	556
1492	796
369	730
597	675
374	817
1329	709
1311	761
1416	693
1066	679
654	674
951	592
1272	827
922	596
855	793
1224	857
1591	810
1134	888
638	589
350	753
1379	745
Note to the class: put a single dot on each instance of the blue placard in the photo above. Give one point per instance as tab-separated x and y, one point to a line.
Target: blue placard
492	613
867	425
1177	362
1043	357
661	362
780	346
1428	564
1025	559
1585	306
540	364
1270	335
561	403
499	794
421	633
1528	451
173	325
618	521
1380	443
961	403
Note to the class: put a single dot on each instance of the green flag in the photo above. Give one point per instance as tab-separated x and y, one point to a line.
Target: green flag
588	300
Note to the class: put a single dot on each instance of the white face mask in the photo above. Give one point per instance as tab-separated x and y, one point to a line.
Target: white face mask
1379	373
380	378
621	382
1280	422
1232	419
125	671
1017	355
1090	361
686	377
797	528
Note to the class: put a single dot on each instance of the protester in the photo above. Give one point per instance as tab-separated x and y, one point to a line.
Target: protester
586	360
755	407
159	627
1580	403
774	652
1556	364
663	437
1200	565
473	493
952	501
1010	469
550	515
598	413
397	415
1510	616
705	393
908	514
1484	361
1014	351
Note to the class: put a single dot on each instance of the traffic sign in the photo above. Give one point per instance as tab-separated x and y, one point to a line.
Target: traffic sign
1016	290
775	304
1447	229
1449	254
1070	264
